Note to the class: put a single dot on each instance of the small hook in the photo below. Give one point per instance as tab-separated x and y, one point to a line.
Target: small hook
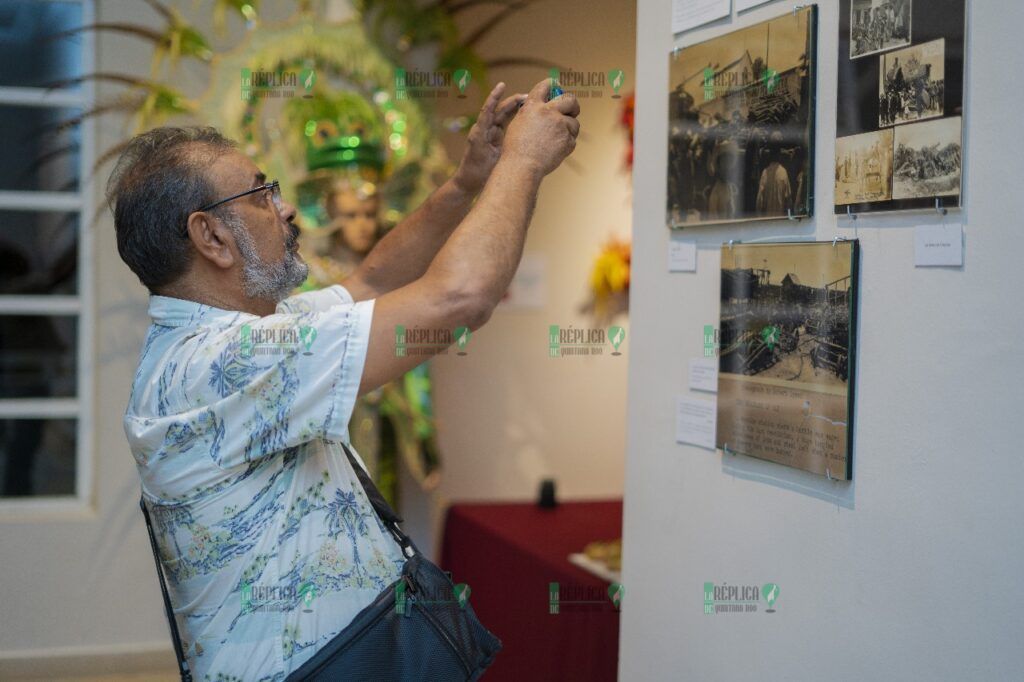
790	216
797	8
730	244
850	214
942	210
828	473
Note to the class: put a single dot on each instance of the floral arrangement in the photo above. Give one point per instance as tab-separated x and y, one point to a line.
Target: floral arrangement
609	281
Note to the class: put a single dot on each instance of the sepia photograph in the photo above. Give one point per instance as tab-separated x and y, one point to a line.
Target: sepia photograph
878	25
864	168
928	159
786	352
741	113
911	83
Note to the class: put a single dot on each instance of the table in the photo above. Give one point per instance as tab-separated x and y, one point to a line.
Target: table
509	554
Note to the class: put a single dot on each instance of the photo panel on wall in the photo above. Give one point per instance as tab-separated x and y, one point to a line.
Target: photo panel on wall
741	124
899	131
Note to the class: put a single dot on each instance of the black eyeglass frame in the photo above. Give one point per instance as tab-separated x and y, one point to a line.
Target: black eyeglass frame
272	186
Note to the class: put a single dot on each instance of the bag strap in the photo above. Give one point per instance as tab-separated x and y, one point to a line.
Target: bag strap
186	674
380	505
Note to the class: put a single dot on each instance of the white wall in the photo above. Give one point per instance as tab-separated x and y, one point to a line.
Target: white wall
911	571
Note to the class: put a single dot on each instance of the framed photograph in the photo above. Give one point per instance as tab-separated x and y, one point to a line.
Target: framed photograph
901	68
787	353
878	25
741	124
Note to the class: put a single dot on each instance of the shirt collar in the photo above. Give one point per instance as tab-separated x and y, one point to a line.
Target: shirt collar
178	312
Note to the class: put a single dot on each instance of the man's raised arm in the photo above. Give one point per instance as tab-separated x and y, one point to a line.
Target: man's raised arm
403	255
472	271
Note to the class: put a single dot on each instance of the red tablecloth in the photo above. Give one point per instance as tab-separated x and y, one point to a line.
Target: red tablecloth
509	554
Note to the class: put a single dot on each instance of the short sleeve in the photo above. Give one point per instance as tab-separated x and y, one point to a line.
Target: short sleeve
257	386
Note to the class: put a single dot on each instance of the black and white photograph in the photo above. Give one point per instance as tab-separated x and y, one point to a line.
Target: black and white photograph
741	113
879	25
864	168
928	159
786	352
879	98
911	83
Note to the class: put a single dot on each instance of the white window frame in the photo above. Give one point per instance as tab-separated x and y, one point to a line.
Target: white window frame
81	305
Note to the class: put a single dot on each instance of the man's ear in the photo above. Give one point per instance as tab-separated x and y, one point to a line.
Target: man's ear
213	239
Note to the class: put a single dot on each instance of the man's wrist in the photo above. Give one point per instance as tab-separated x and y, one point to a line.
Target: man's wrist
519	167
462	188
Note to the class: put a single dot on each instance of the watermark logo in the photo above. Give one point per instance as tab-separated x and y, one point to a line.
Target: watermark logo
462	80
308	335
770	335
417	84
586	84
563	341
280	84
462	335
406	597
275	340
726	598
731	81
615	592
462	592
258	598
616	335
617	77
429	341
771	594
710	341
584	597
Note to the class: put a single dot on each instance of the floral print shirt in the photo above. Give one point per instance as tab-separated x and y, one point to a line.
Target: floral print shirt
268	542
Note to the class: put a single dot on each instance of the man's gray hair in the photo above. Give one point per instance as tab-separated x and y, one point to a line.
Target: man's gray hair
157	182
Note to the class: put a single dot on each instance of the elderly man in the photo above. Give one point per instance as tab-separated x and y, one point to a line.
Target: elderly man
243	393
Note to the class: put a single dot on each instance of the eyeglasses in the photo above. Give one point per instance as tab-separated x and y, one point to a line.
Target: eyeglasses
275	195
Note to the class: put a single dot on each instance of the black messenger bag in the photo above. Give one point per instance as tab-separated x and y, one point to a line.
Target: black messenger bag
418	628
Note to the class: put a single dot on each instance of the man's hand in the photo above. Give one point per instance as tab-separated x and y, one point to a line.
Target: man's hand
544	133
485	140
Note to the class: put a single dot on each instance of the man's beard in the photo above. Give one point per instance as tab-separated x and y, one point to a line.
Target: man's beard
260	279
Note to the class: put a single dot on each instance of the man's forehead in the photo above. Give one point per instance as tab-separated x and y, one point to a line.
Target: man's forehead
235	169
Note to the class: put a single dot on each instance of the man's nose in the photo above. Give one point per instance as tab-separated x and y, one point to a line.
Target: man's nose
287	211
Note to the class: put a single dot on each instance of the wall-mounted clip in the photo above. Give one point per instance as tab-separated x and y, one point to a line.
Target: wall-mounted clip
942	210
850	214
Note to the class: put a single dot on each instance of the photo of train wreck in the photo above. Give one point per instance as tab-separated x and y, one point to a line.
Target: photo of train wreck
783	325
787	336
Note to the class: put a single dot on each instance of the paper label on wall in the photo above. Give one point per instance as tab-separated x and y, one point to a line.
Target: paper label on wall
682	256
742	5
939	245
695	421
687	14
704	374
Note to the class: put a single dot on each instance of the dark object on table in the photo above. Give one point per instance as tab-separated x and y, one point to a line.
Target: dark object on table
547	494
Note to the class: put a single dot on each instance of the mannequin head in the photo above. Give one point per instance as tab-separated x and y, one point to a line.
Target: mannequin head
354	213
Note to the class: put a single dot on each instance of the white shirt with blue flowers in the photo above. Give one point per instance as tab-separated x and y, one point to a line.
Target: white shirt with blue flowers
267	539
